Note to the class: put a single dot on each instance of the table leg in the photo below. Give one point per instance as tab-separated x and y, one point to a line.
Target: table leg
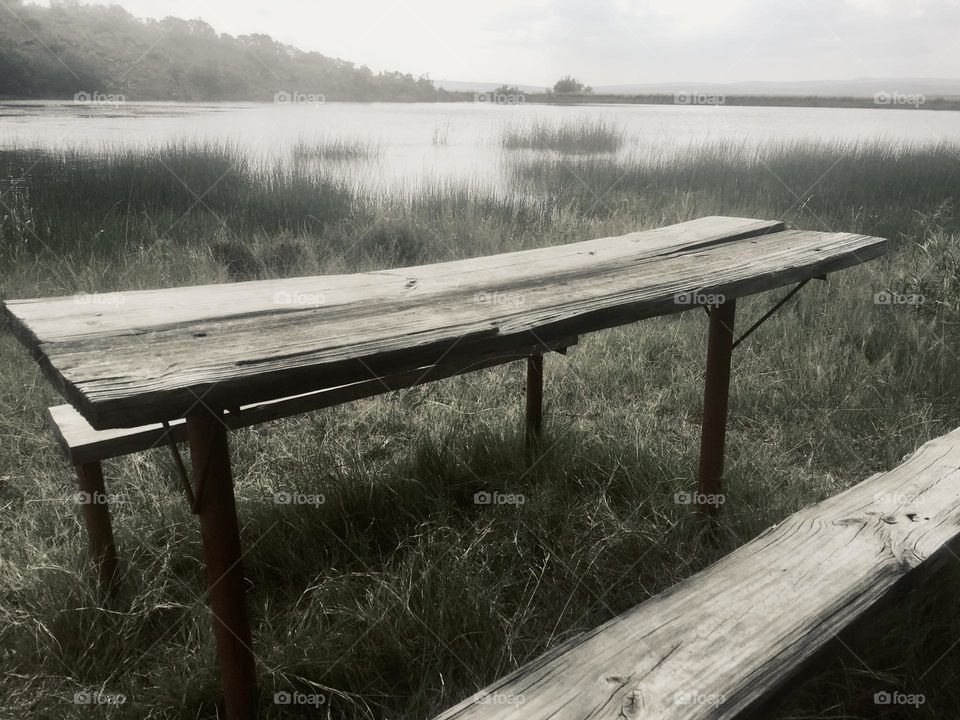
534	418
210	458
715	397
96	517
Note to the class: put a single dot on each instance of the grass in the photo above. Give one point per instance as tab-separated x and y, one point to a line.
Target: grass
570	138
876	188
336	150
398	595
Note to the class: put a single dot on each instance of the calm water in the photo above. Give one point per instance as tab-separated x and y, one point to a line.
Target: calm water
429	142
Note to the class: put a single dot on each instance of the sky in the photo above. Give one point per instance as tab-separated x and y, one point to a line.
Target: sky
605	42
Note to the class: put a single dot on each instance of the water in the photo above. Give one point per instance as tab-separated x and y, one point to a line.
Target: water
440	142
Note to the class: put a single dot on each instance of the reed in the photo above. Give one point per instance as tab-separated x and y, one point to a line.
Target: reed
570	138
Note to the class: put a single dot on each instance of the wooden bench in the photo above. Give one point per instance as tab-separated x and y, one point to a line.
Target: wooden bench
725	642
209	358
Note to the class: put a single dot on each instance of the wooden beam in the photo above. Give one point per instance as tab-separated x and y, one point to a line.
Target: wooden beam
210	458
96	518
534	414
722	643
716	394
81	443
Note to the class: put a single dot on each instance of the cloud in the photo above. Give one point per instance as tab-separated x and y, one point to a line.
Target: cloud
605	41
901	8
684	16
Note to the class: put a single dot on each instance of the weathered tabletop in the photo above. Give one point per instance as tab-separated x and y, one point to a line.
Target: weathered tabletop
148	356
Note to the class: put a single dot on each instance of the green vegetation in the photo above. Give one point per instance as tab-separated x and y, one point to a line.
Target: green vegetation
573	138
569	85
69	48
874	188
398	595
508	90
335	149
553	98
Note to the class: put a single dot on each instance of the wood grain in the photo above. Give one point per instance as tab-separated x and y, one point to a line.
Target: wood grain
720	644
159	353
81	443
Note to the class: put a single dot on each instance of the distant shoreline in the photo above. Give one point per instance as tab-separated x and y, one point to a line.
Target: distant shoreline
889	101
892	101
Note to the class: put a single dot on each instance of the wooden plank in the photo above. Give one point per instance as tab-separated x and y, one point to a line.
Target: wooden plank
126	375
722	643
137	312
81	443
45	324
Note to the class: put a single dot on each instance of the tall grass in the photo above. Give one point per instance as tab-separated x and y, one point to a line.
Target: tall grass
877	188
398	595
128	197
180	213
571	137
335	149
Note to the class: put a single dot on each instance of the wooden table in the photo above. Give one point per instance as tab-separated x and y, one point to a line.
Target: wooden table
201	353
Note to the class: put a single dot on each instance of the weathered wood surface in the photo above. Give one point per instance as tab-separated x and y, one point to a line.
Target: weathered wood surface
153	355
723	642
81	443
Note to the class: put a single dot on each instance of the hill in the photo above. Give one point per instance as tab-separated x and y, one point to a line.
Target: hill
68	48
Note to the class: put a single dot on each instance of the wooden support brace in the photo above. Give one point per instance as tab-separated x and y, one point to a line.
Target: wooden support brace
534	415
210	458
715	397
96	517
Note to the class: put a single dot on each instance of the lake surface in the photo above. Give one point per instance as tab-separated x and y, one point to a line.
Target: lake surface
445	141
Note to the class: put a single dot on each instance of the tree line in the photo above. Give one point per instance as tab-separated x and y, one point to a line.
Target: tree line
68	49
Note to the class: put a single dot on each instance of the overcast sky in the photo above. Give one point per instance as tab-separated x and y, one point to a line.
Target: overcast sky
605	42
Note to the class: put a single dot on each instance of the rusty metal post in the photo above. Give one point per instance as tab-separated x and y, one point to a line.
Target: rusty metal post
96	517
534	413
715	396
217	510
